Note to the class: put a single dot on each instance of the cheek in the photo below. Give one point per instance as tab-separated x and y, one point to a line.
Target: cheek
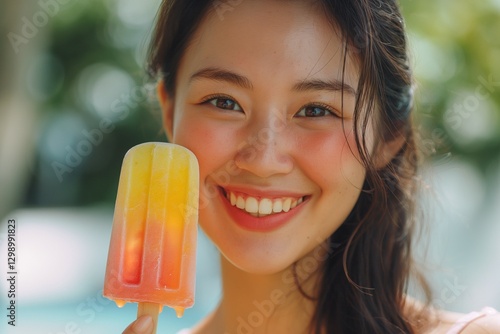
332	161
213	144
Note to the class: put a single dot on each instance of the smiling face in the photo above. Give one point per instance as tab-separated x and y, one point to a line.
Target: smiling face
258	100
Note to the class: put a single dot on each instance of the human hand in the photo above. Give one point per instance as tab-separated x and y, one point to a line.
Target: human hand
143	325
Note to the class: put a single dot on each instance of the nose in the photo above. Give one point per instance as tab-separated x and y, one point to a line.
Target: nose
265	152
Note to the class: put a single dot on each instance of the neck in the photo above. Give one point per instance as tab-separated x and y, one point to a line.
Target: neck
274	303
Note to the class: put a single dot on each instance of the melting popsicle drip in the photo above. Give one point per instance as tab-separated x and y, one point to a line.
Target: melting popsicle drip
120	303
179	311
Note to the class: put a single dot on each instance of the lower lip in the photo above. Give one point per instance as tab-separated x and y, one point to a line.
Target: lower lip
259	224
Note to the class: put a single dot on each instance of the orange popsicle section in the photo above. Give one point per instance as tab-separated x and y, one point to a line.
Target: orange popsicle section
153	242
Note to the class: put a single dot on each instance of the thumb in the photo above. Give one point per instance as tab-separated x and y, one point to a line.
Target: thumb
143	325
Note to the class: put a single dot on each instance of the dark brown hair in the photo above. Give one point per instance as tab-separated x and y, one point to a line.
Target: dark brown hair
363	283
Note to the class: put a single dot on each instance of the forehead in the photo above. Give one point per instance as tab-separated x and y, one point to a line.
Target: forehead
269	41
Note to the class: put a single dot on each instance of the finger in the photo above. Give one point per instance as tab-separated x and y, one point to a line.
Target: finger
143	325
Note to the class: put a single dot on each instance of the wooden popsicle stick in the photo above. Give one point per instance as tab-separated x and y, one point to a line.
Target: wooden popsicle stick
151	309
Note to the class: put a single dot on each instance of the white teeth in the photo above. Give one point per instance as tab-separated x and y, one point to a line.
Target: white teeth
240	203
264	206
252	205
278	206
286	204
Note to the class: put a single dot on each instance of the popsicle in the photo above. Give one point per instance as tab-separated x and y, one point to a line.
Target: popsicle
151	257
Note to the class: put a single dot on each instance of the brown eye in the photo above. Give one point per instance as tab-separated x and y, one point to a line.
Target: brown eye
225	103
314	111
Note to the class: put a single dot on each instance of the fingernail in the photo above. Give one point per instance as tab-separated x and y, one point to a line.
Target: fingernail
143	323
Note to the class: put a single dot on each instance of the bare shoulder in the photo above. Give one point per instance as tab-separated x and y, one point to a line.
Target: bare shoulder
470	323
487	324
434	321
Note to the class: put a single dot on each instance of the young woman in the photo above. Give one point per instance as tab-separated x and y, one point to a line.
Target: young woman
300	115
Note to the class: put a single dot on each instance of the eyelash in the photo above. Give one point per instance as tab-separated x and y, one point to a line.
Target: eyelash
326	107
219	96
323	106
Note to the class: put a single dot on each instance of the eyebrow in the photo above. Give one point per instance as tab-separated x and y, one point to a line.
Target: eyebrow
330	85
218	74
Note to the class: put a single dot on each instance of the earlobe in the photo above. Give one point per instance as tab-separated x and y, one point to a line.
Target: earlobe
387	151
167	107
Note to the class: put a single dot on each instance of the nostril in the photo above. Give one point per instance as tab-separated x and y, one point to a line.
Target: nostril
247	155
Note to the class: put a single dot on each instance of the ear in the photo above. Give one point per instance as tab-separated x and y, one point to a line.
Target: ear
387	150
167	107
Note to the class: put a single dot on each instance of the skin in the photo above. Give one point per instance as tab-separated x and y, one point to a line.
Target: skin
266	147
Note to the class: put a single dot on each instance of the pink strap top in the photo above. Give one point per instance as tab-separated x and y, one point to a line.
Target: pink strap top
467	319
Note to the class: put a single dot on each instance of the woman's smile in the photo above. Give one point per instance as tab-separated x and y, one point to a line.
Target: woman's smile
260	211
262	206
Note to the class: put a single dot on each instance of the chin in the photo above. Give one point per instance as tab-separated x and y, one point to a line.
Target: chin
257	264
257	254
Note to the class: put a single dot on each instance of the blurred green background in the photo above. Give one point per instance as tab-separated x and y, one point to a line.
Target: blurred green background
74	97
